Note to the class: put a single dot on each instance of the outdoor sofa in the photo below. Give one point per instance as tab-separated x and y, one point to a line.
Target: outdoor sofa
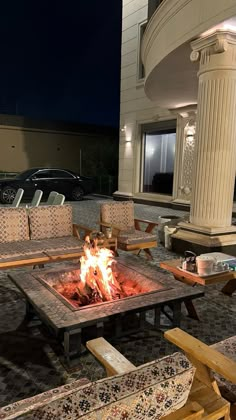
38	235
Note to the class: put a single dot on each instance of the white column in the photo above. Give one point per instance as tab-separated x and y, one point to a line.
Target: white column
215	148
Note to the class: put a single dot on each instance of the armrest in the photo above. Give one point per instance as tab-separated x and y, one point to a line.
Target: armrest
77	228
146	221
113	361
150	225
203	353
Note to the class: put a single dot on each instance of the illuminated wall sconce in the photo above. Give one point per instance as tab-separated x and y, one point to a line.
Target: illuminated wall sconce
123	129
128	138
190	131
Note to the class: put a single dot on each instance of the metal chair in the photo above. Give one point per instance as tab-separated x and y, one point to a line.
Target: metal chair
36	198
59	200
18	197
51	198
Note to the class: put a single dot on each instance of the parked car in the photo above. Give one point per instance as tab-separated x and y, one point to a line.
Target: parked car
66	182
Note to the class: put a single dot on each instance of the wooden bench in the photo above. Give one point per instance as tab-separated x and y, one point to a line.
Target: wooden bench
174	387
205	400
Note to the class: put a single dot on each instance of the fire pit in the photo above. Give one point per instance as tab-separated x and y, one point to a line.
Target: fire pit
69	288
100	279
102	294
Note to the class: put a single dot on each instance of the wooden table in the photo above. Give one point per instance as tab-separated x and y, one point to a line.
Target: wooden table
193	279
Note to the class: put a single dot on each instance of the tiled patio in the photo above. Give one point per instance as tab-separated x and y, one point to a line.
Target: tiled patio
30	360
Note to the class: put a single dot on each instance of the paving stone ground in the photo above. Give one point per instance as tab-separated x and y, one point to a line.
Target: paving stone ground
30	359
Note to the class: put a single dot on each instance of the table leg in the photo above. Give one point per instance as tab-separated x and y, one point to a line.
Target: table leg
192	313
176	314
157	317
72	347
230	287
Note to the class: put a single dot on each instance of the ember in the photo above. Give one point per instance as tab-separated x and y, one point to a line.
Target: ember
98	280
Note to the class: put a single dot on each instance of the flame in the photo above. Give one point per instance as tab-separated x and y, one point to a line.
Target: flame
96	270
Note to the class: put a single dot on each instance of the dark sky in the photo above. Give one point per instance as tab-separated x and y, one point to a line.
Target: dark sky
61	59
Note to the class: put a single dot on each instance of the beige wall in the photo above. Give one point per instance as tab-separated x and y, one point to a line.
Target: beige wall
21	149
135	107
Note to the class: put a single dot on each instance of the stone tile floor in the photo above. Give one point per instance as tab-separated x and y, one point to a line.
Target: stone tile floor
30	359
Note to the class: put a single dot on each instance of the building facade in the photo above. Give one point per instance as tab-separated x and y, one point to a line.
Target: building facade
156	143
177	129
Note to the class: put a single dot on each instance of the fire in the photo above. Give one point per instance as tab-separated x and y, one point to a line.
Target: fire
98	280
96	271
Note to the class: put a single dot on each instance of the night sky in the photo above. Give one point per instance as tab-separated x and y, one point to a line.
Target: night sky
60	60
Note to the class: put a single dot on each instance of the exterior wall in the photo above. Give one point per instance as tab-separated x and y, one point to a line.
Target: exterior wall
137	109
90	154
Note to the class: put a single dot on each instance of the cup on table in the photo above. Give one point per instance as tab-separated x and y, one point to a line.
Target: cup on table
108	232
205	264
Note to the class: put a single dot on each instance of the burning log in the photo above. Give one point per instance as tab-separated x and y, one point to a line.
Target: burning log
97	280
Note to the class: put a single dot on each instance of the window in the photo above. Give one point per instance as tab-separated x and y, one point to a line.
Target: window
62	174
140	70
43	174
158	158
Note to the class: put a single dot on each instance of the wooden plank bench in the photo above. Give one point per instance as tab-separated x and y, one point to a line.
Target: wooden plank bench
205	400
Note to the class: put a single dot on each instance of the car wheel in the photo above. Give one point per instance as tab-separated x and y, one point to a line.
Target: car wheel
77	194
7	195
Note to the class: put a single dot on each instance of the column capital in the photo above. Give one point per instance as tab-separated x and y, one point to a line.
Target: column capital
208	49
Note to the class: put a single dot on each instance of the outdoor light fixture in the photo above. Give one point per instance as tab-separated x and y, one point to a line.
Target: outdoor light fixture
190	131
123	128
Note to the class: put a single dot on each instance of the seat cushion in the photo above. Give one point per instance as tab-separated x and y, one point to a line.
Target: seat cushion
148	392
66	243
50	221
120	214
14	224
131	237
40	248
228	348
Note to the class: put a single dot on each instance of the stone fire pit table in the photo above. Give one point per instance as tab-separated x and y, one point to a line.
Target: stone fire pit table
69	326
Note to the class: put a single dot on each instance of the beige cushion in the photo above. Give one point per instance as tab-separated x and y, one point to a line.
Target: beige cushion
50	221
149	392
40	248
14	224
120	214
228	348
135	237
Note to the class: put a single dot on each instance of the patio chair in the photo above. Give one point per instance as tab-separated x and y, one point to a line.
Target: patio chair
120	217
58	200
51	198
36	198
18	197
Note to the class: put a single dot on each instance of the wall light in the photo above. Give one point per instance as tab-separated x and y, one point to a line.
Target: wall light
123	128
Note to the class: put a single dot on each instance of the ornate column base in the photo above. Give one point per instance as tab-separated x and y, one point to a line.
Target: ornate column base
122	196
201	240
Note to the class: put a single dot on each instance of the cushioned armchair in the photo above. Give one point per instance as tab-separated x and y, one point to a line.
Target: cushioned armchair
120	217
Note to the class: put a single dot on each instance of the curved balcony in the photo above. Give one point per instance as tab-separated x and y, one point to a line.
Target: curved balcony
171	78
